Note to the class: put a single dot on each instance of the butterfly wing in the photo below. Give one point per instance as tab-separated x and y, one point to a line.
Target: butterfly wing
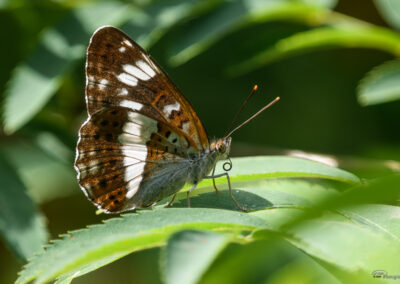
120	73
133	150
127	160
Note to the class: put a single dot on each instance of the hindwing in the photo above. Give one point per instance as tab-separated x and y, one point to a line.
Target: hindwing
120	151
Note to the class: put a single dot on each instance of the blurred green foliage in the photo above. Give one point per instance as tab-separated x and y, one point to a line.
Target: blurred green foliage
333	63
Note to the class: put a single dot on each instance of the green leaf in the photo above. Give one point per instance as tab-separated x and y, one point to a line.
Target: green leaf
250	168
321	197
262	194
350	246
233	15
258	178
390	10
21	224
37	79
284	200
188	254
68	277
382	190
120	236
45	176
341	32
269	261
321	3
380	85
156	19
383	219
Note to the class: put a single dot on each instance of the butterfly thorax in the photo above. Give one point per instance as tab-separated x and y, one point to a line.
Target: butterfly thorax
202	165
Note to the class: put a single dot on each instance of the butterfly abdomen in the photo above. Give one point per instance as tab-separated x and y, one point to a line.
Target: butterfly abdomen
160	184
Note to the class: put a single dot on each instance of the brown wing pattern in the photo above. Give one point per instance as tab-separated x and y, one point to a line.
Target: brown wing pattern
120	73
119	150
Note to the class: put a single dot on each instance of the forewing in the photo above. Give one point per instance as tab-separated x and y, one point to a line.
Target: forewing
119	151
120	73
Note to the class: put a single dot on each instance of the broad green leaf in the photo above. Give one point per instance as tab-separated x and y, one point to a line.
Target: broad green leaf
384	219
390	11
286	199
262	194
270	261
36	80
352	244
21	224
302	270
45	176
255	179
250	168
232	15
68	277
188	254
383	190
341	32
380	85
351	247
53	146
120	236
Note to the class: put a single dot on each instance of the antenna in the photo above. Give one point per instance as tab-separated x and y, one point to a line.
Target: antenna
255	88
253	116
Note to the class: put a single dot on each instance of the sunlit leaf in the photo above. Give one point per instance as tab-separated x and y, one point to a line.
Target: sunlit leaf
231	16
342	32
324	238
383	190
120	236
380	85
352	244
352	247
282	166
274	193
383	219
380	190
21	224
262	194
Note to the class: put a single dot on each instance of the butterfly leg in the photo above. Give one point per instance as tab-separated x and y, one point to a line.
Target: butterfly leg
188	192
230	189
215	186
171	201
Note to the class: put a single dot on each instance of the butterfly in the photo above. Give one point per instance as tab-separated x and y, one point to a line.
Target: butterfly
142	140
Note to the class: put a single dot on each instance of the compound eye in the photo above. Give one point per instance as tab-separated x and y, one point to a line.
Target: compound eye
222	148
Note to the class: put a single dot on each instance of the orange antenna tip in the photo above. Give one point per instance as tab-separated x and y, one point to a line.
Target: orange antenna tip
255	88
253	116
